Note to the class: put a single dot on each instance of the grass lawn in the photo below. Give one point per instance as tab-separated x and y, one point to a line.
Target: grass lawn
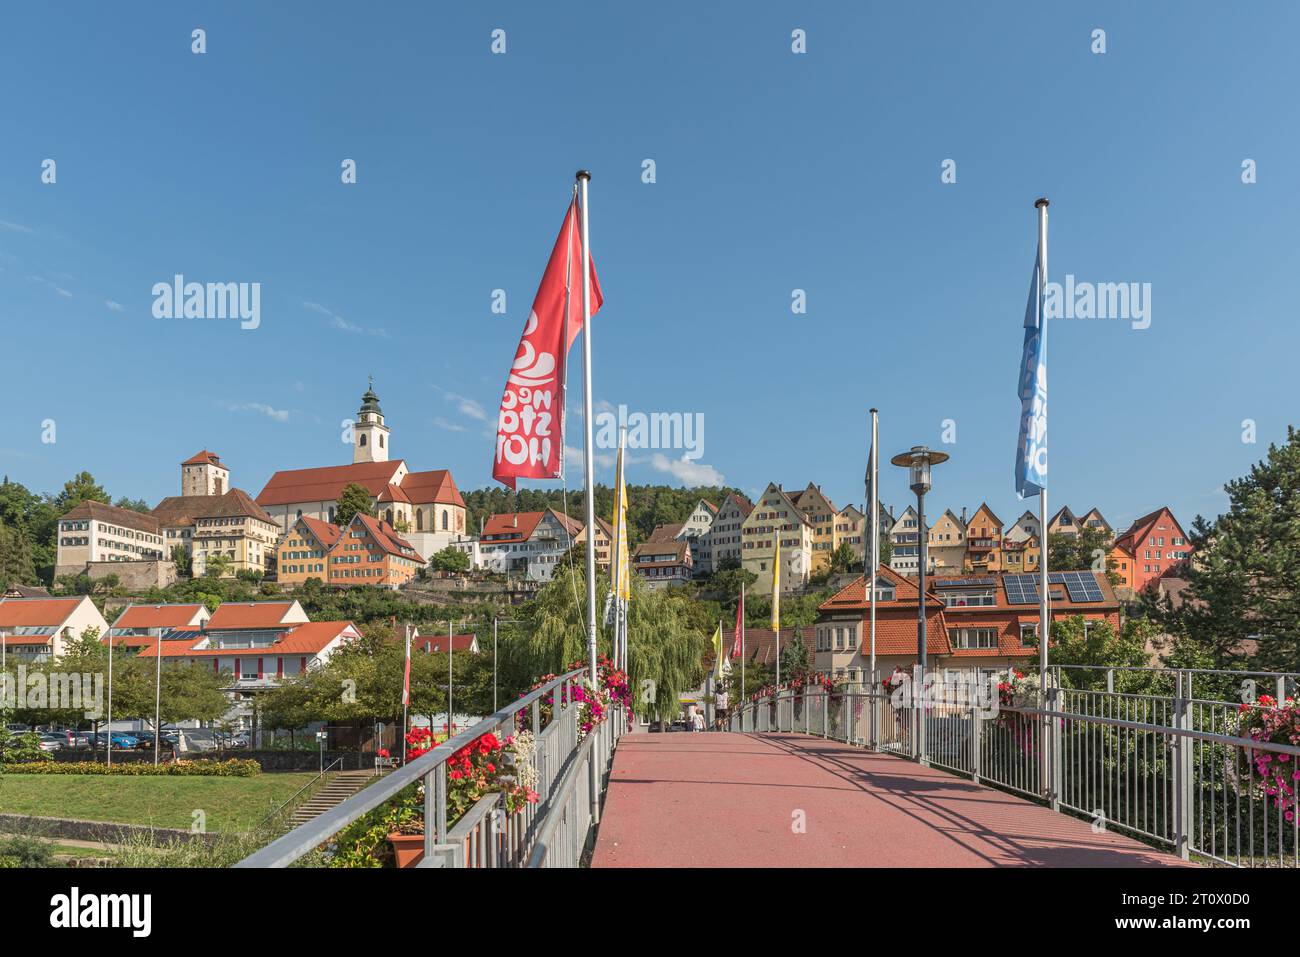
230	804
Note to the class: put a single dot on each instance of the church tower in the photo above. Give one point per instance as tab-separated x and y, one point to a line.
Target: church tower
370	435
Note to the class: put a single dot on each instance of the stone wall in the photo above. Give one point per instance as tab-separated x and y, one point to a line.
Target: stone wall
136	576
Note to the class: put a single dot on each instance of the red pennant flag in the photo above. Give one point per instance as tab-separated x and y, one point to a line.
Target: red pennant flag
530	423
736	649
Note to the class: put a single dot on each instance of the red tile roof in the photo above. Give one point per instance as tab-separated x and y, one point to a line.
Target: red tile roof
34	612
308	638
433	487
760	645
157	616
204	458
392	493
386	537
438	643
325	484
11	640
324	532
517	526
140	521
186	509
249	614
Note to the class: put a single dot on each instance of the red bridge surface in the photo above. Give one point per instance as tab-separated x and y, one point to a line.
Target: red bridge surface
790	800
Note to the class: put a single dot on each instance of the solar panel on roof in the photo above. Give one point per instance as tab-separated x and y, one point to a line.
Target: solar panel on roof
961	582
1021	589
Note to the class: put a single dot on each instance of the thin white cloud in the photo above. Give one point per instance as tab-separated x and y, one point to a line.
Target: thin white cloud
687	471
17	227
465	405
442	423
114	306
278	415
338	322
52	285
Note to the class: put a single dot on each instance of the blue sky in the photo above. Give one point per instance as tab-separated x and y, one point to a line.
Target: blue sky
775	172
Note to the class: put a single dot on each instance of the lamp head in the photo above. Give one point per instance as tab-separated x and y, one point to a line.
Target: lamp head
918	462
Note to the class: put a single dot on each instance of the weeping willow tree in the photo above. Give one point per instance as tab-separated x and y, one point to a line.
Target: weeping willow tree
667	637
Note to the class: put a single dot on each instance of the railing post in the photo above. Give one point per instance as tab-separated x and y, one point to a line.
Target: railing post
919	716
1055	765
1183	825
1110	681
977	736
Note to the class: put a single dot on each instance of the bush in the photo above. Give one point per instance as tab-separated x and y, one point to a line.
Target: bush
23	850
233	768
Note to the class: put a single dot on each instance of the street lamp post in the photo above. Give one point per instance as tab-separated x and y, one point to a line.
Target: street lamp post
918	462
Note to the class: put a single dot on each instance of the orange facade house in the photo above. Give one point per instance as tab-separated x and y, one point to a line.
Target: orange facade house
1153	547
303	551
984	541
370	552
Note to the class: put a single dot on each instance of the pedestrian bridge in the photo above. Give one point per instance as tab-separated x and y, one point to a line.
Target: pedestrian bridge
792	800
863	778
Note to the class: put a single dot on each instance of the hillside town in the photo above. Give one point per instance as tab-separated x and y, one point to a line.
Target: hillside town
290	532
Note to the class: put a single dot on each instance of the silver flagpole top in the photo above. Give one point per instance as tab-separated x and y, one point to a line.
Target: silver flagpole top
1037	203
582	174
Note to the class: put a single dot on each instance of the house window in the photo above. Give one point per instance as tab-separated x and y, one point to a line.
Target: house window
1028	634
973	637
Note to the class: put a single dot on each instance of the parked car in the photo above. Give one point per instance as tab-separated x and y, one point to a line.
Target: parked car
145	739
18	728
120	740
53	742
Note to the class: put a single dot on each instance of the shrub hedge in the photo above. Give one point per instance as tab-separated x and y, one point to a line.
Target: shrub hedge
233	768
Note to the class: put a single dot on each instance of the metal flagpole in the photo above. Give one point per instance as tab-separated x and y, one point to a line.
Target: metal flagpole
874	468
450	726
109	756
157	703
406	693
1043	597
589	463
743	692
494	665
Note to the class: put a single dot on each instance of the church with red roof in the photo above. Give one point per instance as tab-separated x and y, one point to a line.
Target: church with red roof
424	507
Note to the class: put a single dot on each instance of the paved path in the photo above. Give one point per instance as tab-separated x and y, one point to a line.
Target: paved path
735	800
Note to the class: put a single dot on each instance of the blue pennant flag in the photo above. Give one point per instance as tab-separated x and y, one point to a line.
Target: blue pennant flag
1031	451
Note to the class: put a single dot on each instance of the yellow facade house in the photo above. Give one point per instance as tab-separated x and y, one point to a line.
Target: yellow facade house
946	546
776	517
820	513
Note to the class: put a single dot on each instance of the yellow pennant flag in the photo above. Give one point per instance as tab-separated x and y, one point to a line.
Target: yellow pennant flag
717	649
620	533
776	585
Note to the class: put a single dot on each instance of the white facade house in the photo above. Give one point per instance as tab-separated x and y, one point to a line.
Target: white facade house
526	544
38	629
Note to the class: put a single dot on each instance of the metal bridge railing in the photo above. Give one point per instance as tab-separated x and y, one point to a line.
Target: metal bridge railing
487	836
1176	772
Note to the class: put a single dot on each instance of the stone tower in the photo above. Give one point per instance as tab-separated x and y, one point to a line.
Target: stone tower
203	474
370	435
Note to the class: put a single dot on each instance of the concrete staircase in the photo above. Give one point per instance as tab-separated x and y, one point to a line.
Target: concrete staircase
338	787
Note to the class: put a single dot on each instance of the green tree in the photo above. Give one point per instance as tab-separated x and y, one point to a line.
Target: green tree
17	566
1242	601
795	659
844	558
184	563
354	499
1077	642
216	565
82	487
1087	550
667	637
451	559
